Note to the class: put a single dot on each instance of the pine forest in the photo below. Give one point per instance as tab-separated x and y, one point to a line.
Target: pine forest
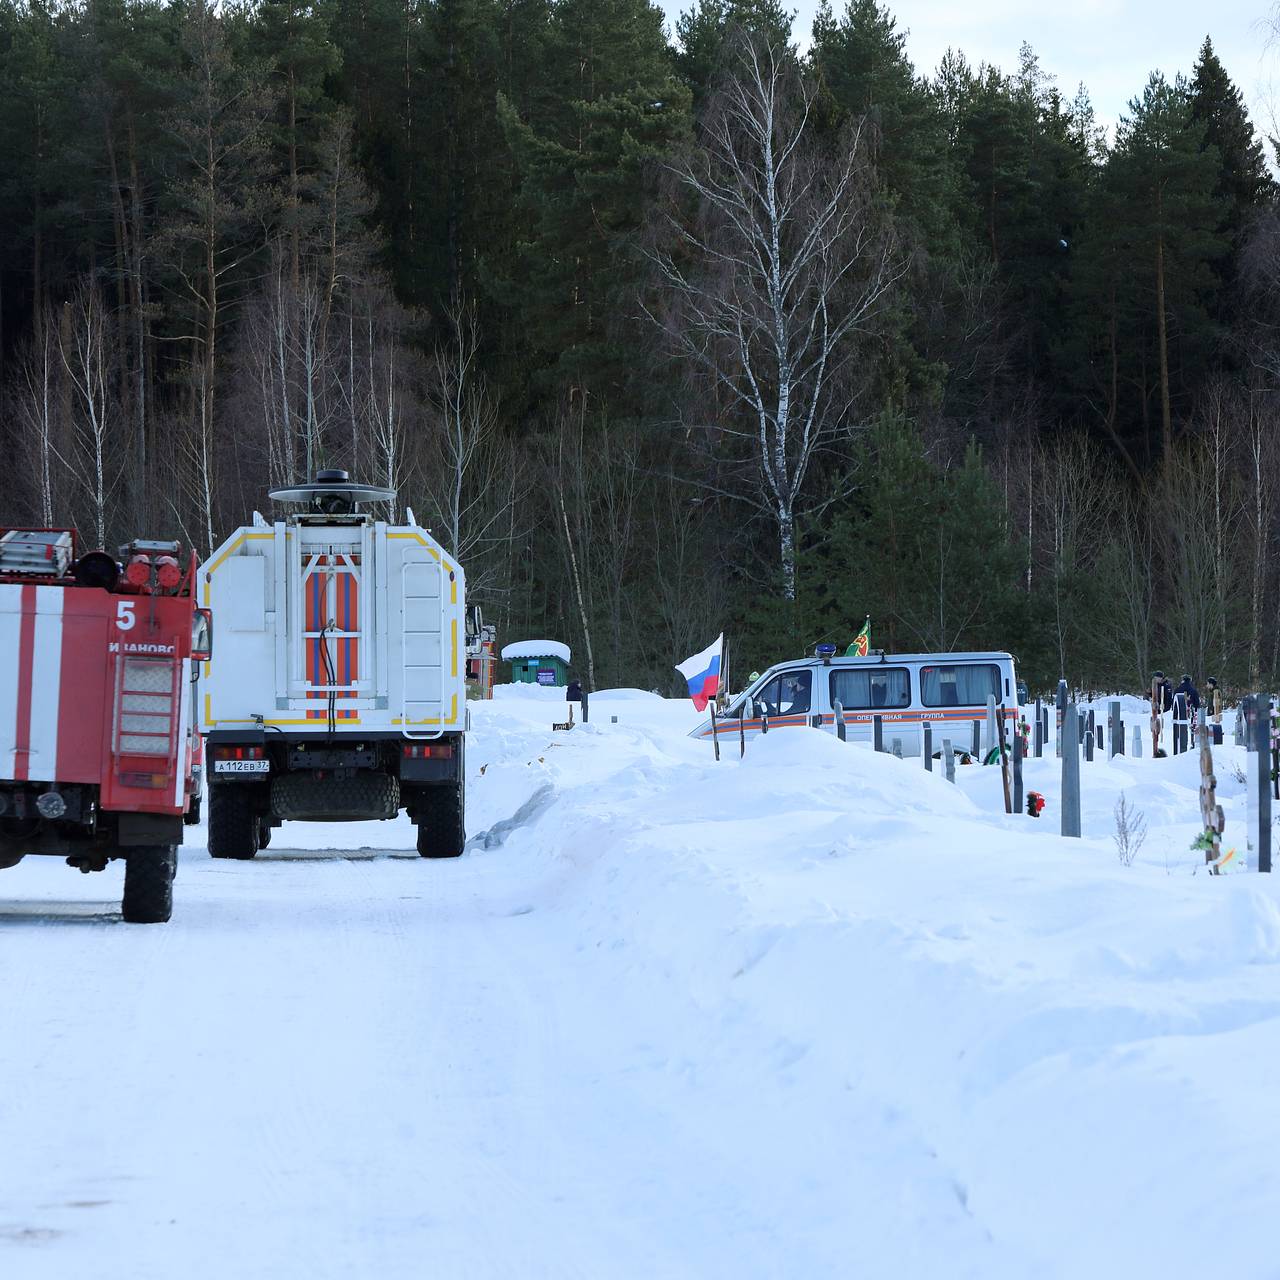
664	329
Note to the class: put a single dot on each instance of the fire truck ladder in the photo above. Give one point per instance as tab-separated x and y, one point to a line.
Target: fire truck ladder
422	652
146	715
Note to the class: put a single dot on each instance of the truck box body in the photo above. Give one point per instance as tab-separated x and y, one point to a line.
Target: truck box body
335	629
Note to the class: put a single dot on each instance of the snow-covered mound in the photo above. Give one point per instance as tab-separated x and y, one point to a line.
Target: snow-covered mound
813	1012
536	649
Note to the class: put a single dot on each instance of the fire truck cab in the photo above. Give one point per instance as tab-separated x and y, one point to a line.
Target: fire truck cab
97	742
339	688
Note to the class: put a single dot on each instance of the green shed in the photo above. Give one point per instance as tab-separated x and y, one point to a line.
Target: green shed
544	662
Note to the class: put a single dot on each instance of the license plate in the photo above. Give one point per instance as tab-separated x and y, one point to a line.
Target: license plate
242	766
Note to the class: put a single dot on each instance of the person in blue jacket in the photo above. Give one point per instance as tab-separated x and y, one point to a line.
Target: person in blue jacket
1193	694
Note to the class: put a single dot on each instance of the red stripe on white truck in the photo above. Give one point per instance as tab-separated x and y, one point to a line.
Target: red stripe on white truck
82	686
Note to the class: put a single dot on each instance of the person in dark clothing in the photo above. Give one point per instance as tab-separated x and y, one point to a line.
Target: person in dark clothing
1193	694
1162	693
574	692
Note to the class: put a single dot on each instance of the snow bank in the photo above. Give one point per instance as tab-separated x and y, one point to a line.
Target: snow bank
813	1012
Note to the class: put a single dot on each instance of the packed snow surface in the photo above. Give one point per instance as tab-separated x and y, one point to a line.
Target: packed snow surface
536	649
812	1013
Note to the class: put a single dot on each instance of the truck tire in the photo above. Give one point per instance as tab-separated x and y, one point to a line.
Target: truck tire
233	822
192	816
367	795
148	883
264	832
442	830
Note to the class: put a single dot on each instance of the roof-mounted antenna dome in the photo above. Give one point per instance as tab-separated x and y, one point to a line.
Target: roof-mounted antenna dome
332	493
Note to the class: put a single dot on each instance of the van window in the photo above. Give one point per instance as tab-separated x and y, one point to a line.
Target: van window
785	695
959	686
870	688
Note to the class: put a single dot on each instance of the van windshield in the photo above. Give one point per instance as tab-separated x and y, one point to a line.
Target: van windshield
785	695
959	686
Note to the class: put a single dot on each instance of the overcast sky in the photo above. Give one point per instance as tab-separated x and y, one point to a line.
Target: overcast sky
1112	45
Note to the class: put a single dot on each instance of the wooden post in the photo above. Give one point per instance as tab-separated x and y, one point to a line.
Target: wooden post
976	746
877	733
1037	731
1070	740
926	738
1210	810
1117	732
715	736
841	729
1062	711
993	735
586	701
948	760
1088	737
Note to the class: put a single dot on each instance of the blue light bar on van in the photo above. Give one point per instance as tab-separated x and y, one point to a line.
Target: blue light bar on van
825	651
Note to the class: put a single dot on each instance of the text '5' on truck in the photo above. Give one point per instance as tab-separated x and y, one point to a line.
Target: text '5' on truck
98	746
338	691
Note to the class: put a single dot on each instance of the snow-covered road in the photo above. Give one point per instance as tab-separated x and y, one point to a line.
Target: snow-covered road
780	1017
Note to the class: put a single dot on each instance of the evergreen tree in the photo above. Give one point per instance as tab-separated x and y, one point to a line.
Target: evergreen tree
1243	184
295	36
584	174
1157	225
924	549
703	33
862	64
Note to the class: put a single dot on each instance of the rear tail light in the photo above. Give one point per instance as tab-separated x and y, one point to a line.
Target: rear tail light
151	781
427	750
239	753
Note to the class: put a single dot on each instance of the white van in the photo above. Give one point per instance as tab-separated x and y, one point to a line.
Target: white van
906	690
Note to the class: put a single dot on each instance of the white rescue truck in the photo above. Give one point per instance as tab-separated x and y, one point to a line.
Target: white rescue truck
905	690
338	691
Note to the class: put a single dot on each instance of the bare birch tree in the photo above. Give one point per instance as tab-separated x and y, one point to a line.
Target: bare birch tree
36	412
784	261
467	415
83	345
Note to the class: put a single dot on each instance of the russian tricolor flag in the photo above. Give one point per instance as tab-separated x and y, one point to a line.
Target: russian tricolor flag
702	672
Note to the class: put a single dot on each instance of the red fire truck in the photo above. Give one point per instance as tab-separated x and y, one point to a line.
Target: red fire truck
98	749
